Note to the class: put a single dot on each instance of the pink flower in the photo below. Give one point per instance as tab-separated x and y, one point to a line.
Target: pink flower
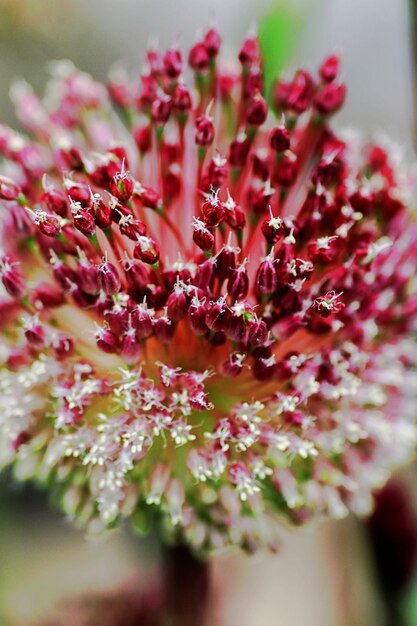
207	309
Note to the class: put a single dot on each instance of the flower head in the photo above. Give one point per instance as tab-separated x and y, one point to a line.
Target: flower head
206	304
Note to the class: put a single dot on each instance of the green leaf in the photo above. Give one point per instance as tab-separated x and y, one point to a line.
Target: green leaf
279	33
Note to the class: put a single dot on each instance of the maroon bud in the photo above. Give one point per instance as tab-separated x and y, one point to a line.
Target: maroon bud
64	275
12	279
264	368
46	295
141	322
198	58
238	283
258	333
101	212
330	98
109	278
107	340
88	276
35	333
266	277
148	196
249	52
164	329
217	314
177	303
173	63
261	165
62	347
84	222
204	134
146	250
279	139
117	318
132	227
48	224
239	150
78	192
197	316
235	217
202	236
55	201
9	190
216	172
137	275
300	92
329	68
181	98
233	364
212	43
204	275
235	328
143	138
121	186
286	170
213	211
161	109
257	111
21	439
131	348
199	400
225	262
272	229
18	223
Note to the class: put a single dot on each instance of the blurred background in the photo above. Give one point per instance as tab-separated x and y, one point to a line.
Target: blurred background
344	574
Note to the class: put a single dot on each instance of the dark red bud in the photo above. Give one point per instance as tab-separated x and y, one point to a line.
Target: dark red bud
202	236
121	186
35	333
161	109
107	341
146	250
177	304
238	284
12	279
141	322
204	134
330	98
88	277
9	190
84	222
181	98
131	348
55	201
279	139
197	318
329	68
258	333
212	42
62	347
249	51
198	58
266	278
233	365
164	329
257	111
173	63
109	278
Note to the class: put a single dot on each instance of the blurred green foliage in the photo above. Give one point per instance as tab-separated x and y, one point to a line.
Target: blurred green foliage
279	33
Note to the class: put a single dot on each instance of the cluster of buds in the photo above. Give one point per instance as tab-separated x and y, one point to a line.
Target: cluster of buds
208	304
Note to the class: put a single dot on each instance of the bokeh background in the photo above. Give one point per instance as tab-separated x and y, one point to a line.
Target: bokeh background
327	575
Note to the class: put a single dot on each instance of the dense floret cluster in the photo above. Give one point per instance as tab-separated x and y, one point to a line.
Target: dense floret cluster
207	301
